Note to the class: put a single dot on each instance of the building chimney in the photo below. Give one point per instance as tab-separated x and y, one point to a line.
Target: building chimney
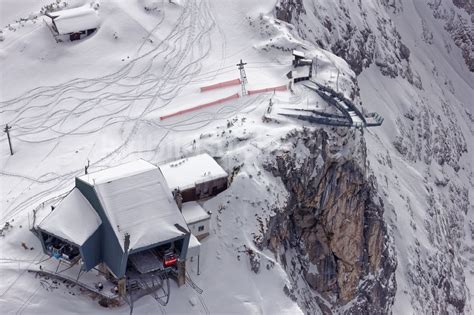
179	199
126	244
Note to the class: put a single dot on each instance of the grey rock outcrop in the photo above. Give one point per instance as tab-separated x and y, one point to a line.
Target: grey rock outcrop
350	36
458	25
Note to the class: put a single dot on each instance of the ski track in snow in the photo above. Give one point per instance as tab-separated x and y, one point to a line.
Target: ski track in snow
42	111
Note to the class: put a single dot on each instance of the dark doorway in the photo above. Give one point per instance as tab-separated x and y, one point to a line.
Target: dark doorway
75	36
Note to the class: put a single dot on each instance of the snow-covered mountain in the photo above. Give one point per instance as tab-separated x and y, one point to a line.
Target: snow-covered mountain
422	157
317	219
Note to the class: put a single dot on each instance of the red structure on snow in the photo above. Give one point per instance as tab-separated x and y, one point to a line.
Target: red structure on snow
221	100
220	85
271	89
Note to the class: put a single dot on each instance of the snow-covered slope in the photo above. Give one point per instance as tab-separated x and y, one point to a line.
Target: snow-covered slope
430	184
101	99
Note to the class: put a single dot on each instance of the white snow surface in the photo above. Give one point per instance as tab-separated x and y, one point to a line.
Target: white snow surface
193	212
186	173
76	19
120	171
142	206
100	99
74	219
118	89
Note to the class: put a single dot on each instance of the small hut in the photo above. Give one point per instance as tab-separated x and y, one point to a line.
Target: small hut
297	56
73	24
195	177
197	219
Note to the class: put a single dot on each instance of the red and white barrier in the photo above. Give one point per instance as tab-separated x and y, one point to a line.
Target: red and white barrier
220	85
272	89
222	100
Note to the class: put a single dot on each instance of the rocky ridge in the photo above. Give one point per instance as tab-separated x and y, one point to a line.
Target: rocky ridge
331	237
350	36
457	21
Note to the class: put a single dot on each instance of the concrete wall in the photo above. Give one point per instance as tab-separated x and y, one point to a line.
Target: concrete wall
189	194
194	227
205	189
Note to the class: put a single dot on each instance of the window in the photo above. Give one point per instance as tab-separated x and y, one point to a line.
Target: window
201	228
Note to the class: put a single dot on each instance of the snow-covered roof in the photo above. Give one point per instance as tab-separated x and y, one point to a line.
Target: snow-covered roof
194	247
76	19
137	201
298	53
186	173
74	219
301	71
116	172
193	212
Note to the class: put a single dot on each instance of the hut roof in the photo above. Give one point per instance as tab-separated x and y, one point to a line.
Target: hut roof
73	219
137	201
186	173
298	53
75	20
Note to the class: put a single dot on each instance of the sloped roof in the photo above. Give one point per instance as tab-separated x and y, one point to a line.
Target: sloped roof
185	173
298	53
76	19
74	219
137	201
117	172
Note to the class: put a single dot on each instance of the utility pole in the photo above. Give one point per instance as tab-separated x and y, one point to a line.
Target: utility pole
243	77
316	67
86	168
7	130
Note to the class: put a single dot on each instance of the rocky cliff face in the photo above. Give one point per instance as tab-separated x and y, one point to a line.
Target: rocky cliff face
331	237
458	23
351	36
422	158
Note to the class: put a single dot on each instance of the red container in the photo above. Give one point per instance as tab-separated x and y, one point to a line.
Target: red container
171	261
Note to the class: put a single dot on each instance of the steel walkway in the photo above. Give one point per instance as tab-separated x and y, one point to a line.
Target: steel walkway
351	115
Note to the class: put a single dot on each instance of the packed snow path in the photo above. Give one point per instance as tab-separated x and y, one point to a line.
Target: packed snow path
144	84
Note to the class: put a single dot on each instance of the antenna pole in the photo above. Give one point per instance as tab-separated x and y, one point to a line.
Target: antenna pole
86	168
7	130
243	76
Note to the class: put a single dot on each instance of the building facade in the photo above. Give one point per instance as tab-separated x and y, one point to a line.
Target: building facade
196	177
124	218
73	24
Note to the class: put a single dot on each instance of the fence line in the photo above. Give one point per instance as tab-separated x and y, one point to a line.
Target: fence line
220	85
270	89
184	111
